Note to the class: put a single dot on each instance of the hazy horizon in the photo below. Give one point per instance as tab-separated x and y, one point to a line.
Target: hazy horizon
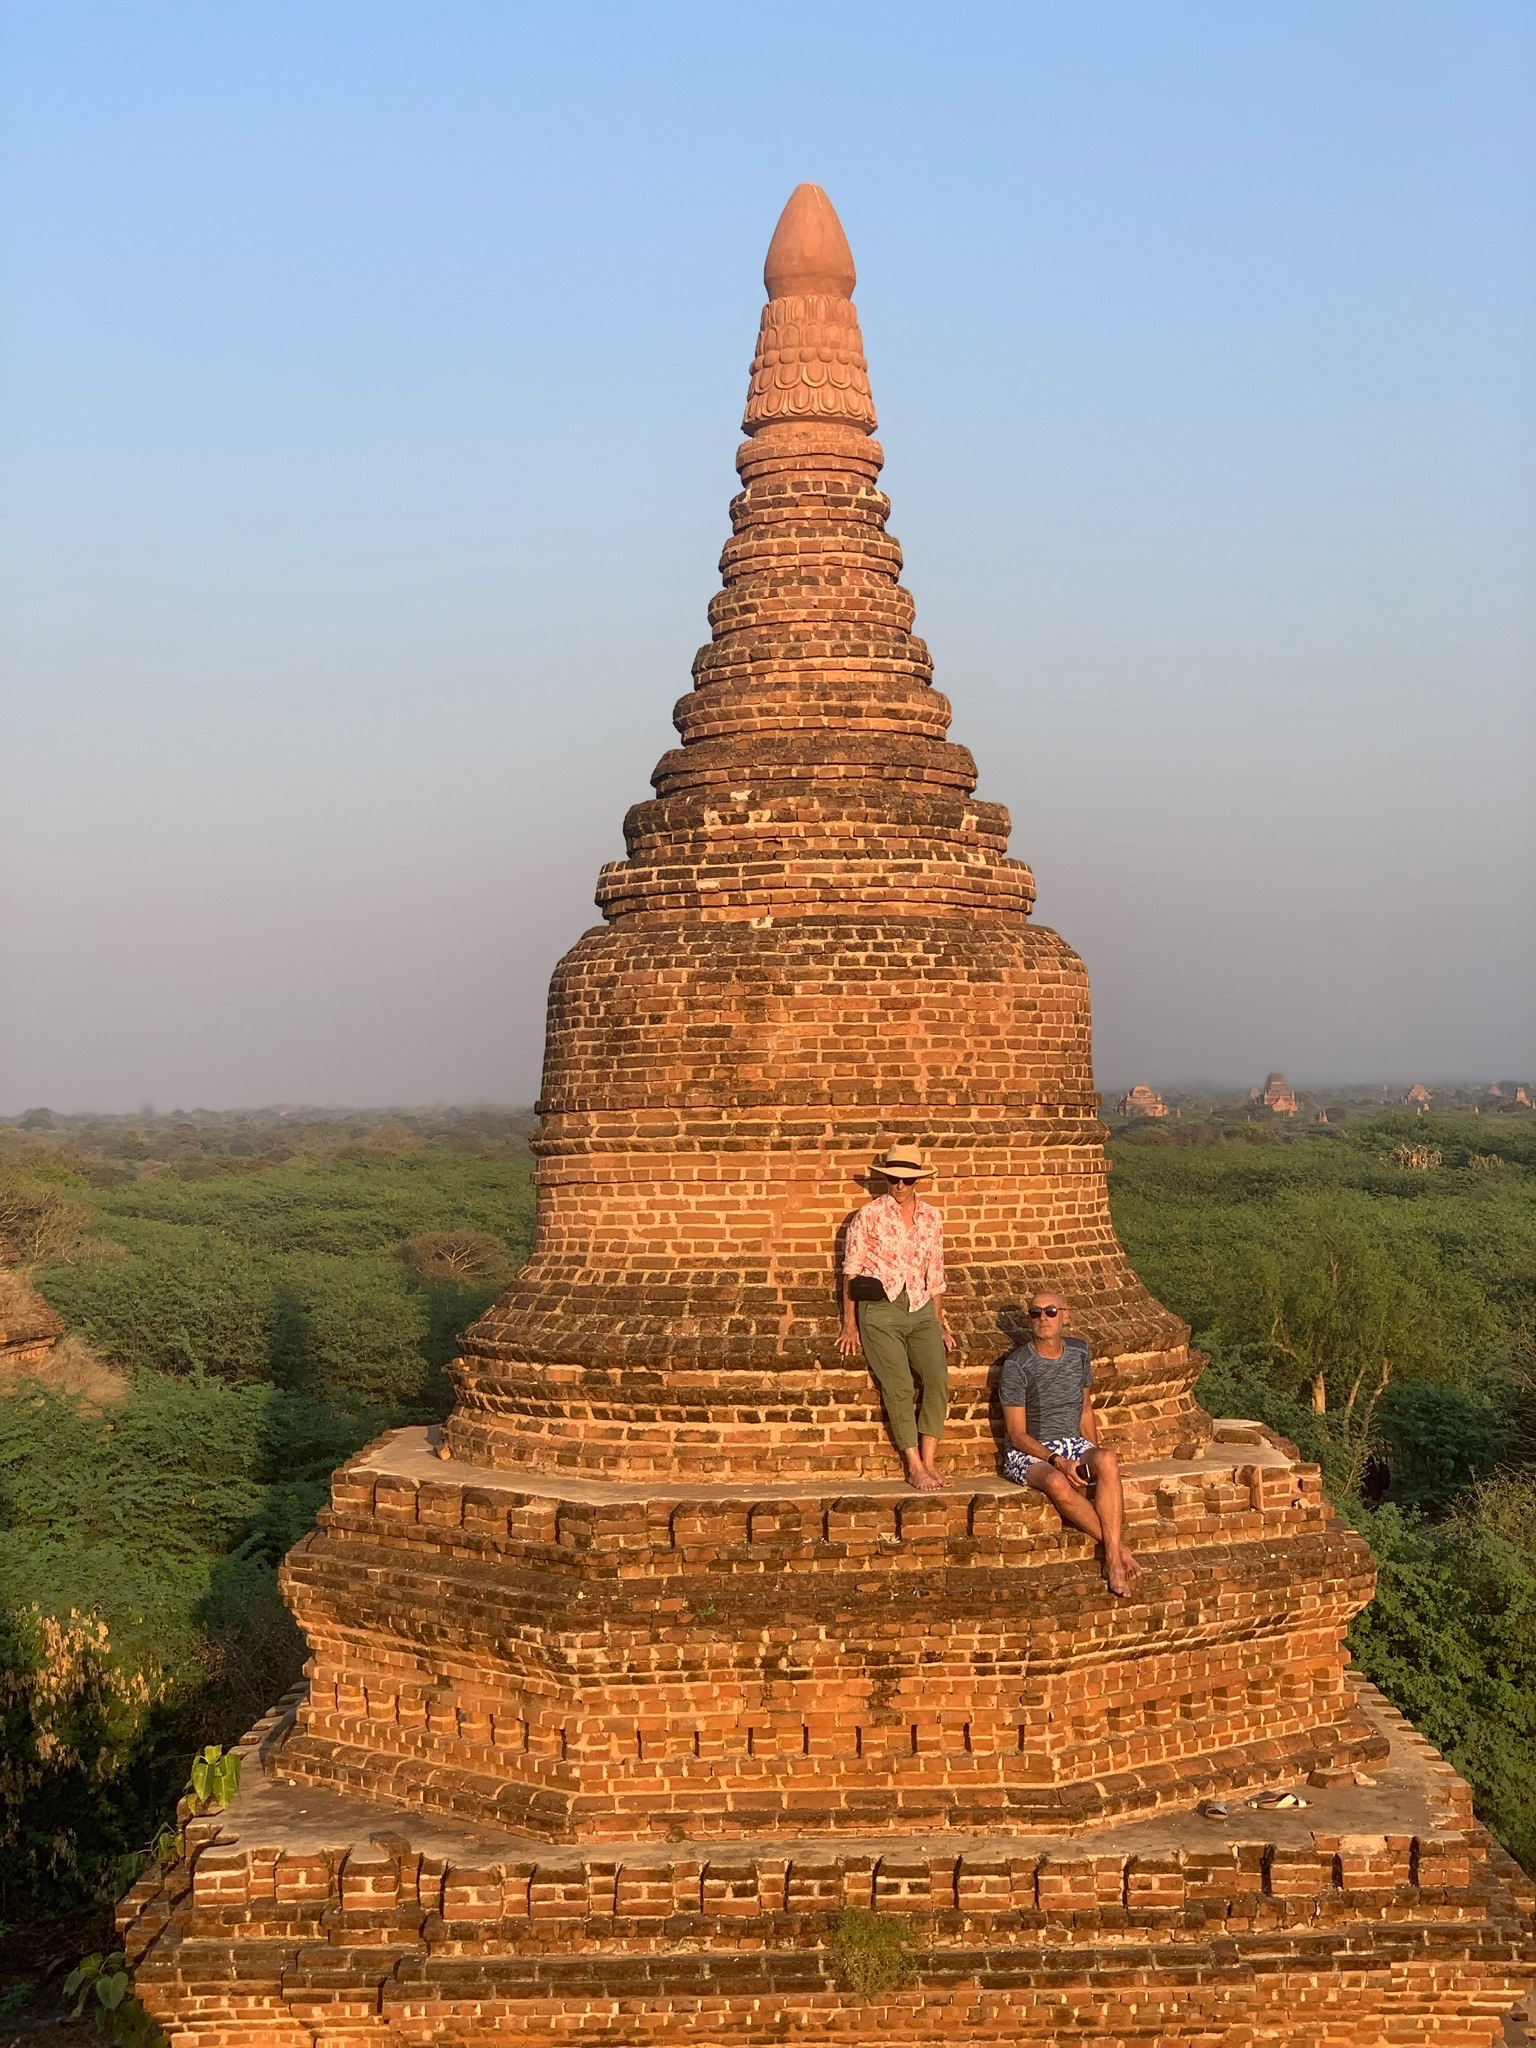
372	378
1304	1085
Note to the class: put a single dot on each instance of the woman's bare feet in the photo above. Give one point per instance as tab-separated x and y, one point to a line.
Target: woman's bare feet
919	1475
928	1458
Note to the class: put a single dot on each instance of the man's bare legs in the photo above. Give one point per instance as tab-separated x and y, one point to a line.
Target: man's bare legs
1102	1518
922	1471
1109	1504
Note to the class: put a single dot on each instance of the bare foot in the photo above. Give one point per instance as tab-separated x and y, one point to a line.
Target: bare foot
940	1479
1119	1572
919	1476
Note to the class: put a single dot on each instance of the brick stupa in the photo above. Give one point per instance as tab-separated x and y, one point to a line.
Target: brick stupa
818	942
615	1709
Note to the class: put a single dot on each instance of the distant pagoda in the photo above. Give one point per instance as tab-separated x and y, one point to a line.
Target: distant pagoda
1277	1094
616	1711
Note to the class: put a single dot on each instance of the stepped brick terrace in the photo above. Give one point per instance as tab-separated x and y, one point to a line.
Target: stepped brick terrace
633	1681
1379	1914
632	1662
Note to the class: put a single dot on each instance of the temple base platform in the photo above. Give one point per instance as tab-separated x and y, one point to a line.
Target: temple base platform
589	1660
1380	1913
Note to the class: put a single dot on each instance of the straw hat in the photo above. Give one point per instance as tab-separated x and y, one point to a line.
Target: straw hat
903	1162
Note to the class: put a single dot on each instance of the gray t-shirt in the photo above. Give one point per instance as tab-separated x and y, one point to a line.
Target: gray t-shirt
1049	1390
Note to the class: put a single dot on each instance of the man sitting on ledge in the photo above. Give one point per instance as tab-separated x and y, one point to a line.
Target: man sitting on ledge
1053	1436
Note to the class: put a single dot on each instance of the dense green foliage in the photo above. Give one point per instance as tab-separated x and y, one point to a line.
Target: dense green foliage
291	1276
262	1324
1451	1639
138	1552
1381	1315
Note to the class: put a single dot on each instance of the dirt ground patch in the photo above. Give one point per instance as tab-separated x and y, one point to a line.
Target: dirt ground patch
34	1961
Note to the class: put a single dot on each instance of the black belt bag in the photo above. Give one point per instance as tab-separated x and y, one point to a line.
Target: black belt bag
862	1287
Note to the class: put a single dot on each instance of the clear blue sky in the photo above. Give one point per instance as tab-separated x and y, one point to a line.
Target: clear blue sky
371	380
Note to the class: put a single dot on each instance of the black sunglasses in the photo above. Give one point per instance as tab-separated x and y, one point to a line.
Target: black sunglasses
1036	1313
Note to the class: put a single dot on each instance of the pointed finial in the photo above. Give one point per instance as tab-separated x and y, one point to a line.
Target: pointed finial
809	252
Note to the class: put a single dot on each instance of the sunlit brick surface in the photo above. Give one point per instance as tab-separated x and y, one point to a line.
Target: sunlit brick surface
1380	1918
620	1664
818	943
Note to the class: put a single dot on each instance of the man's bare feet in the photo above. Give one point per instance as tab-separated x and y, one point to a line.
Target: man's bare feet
1119	1571
918	1475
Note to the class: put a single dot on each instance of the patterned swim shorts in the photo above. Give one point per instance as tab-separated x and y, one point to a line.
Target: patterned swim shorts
1016	1464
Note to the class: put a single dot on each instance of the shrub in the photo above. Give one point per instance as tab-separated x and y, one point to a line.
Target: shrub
37	1222
1505	1506
139	1614
871	1953
265	1331
464	1257
347	1326
1439	1441
71	1717
183	1301
318	1277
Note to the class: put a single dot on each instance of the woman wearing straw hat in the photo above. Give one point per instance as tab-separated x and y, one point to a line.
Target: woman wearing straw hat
892	1278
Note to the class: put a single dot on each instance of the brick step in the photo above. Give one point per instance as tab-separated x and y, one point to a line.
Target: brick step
1379	1915
1240	1490
949	1792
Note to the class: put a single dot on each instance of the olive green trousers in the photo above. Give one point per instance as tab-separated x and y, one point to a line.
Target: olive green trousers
902	1347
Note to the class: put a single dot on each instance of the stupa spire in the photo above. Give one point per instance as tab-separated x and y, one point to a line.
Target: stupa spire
809	251
810	355
815	776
